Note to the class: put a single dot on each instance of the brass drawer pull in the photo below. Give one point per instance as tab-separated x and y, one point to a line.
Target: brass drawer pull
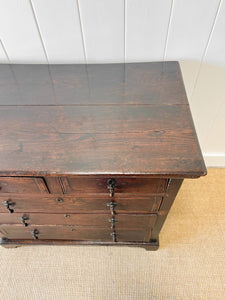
111	186
7	204
34	234
113	235
111	206
23	220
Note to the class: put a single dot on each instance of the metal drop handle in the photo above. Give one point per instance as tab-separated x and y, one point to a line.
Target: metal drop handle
111	184
23	220
112	221
8	205
113	235
34	234
111	206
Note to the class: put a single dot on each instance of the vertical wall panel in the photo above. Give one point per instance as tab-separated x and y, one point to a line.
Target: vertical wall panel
190	27
209	93
190	69
146	29
103	29
19	32
215	53
207	98
60	30
215	141
3	56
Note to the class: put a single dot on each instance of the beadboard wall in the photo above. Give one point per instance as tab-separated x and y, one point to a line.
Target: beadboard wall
87	31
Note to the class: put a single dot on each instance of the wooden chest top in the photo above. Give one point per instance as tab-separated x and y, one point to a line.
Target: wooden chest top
97	119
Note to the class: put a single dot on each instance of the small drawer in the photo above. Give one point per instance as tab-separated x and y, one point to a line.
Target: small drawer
23	185
119	184
56	232
97	203
98	220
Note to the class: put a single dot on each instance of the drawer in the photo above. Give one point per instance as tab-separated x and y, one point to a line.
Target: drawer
23	185
56	232
70	204
93	184
101	220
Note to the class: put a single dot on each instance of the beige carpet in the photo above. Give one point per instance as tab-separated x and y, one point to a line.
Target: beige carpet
188	265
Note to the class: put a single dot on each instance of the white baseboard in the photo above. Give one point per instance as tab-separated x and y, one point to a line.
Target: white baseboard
214	159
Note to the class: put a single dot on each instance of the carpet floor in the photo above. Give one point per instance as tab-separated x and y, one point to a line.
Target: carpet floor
189	264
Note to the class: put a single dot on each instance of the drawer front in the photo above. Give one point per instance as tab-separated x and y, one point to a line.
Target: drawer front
101	220
22	185
69	204
72	233
88	184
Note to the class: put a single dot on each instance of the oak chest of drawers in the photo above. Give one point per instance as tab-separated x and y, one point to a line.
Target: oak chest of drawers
92	154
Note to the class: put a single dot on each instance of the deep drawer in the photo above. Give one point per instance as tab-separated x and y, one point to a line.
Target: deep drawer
93	184
101	220
23	185
83	203
73	233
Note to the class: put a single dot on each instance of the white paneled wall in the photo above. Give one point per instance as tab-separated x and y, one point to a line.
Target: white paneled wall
19	33
60	29
102	24
189	31
215	55
87	31
3	55
146	29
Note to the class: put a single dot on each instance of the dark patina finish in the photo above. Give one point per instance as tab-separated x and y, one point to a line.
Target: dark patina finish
92	154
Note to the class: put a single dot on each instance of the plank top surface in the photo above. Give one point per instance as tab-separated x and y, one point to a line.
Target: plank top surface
97	119
137	83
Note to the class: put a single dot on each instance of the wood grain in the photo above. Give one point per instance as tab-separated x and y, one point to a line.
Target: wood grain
172	190
155	153
68	129
14	243
131	185
94	119
112	119
22	185
100	220
137	83
95	203
57	232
